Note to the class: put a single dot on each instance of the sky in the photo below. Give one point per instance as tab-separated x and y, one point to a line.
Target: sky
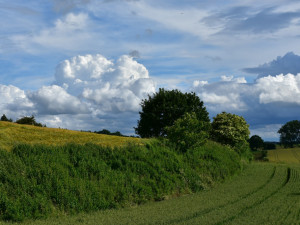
88	64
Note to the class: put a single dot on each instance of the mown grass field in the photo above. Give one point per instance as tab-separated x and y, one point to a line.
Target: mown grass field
265	193
12	134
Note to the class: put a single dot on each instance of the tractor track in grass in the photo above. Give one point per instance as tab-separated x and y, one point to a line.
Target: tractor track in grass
288	177
206	211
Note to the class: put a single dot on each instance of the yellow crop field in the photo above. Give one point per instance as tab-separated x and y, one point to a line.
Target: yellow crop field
289	155
12	133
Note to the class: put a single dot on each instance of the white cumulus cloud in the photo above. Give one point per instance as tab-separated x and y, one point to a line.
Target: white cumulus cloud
267	102
90	92
109	86
55	100
281	88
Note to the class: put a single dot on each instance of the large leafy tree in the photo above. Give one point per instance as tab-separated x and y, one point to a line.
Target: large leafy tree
230	129
256	142
290	133
163	108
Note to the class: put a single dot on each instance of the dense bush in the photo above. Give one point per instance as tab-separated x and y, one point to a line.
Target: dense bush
229	129
37	181
233	130
188	132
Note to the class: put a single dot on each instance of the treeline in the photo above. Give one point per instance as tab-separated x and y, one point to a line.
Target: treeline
28	120
183	121
257	143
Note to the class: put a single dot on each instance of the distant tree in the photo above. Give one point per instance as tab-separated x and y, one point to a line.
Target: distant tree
163	108
117	133
269	146
231	129
188	132
107	132
256	142
4	118
290	133
29	120
104	131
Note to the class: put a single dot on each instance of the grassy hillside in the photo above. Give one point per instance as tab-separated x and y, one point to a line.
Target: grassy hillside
12	134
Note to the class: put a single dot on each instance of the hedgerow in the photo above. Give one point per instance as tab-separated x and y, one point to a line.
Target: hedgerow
38	180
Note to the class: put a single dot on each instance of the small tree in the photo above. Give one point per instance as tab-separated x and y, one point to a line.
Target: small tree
290	133
4	118
231	129
163	108
188	132
256	142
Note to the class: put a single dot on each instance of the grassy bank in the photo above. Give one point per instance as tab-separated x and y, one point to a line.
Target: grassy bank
12	134
264	193
38	181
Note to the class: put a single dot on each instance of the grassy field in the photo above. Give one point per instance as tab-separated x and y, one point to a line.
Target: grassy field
289	155
265	193
12	134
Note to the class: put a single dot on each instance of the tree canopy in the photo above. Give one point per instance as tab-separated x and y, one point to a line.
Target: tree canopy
290	133
163	108
30	120
230	129
188	132
256	142
4	118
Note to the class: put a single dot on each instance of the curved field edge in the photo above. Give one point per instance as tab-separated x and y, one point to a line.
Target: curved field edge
38	181
263	193
12	134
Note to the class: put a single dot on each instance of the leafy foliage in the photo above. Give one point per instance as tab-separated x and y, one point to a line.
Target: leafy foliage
37	181
163	108
107	132
188	132
4	118
256	142
290	133
29	120
269	146
232	130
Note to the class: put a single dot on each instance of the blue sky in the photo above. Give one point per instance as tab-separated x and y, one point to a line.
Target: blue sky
87	64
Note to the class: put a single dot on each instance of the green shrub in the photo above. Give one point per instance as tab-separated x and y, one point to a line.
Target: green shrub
38	181
188	132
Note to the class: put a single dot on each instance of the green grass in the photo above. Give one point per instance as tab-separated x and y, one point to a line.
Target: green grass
40	181
264	193
285	155
12	134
